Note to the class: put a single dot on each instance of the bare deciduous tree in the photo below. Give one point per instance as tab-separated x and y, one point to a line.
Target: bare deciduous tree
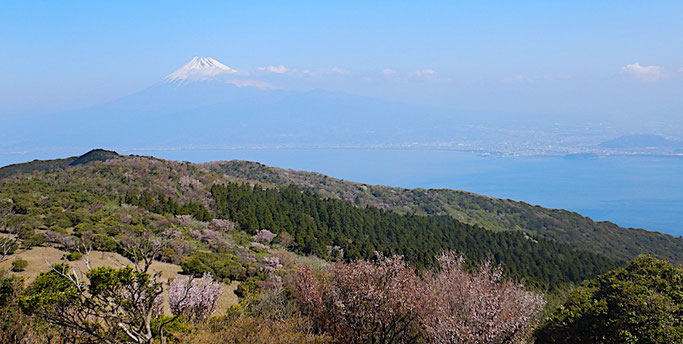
143	249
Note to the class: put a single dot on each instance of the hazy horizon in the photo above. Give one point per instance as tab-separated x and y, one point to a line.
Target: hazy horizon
580	61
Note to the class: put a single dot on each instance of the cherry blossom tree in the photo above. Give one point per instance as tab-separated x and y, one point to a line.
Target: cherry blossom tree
194	298
386	302
364	302
480	307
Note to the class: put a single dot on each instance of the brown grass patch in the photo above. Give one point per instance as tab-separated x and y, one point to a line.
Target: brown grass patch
40	258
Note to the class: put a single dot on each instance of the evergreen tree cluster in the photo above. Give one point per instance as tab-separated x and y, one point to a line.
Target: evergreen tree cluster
167	205
325	227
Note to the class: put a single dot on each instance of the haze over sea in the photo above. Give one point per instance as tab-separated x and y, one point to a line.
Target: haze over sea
631	191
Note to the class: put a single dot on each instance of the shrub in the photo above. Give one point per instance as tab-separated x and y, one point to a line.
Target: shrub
30	238
19	265
14	325
194	266
247	287
58	229
103	242
224	267
73	256
641	303
167	255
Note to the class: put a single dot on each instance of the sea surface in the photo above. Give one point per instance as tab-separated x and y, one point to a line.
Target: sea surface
635	191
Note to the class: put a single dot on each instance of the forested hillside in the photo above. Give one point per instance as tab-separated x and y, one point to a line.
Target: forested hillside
329	228
491	213
95	198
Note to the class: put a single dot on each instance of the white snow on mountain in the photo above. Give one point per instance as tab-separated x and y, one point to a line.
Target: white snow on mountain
199	69
209	69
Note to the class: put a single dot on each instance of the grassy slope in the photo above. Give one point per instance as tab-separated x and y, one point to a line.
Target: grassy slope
492	213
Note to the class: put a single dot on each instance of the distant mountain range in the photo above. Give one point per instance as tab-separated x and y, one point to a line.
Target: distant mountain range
494	214
208	103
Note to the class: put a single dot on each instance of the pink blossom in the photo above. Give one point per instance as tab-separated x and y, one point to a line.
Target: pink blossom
194	298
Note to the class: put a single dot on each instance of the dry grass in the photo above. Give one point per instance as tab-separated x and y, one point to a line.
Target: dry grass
40	258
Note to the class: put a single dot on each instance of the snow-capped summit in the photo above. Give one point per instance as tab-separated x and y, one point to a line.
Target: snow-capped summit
199	69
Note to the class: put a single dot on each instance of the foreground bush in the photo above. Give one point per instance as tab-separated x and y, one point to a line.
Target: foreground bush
641	303
112	304
386	302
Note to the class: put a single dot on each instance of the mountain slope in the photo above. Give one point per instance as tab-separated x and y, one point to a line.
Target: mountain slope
491	213
494	214
144	194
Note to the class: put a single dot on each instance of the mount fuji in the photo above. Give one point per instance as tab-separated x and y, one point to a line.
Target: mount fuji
209	69
208	103
198	69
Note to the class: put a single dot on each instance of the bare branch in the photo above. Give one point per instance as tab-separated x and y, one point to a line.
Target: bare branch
143	250
84	246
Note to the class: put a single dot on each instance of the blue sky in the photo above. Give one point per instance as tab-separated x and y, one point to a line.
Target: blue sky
582	58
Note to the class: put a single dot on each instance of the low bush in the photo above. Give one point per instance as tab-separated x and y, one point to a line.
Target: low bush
73	256
19	265
224	267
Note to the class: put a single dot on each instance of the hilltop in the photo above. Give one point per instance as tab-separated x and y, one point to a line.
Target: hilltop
47	165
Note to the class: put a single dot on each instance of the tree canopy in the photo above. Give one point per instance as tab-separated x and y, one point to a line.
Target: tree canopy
640	303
